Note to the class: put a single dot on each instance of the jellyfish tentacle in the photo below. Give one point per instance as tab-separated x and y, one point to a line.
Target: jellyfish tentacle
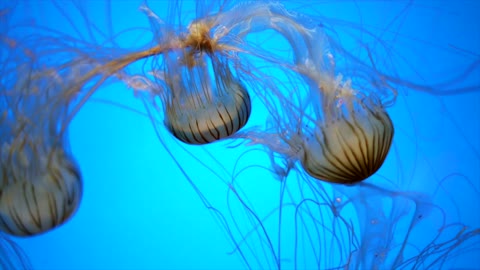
11	255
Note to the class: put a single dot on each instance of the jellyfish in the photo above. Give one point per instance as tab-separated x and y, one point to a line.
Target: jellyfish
41	184
40	181
352	145
47	77
349	133
200	110
203	99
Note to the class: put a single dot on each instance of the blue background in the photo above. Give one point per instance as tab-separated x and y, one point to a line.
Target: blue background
138	210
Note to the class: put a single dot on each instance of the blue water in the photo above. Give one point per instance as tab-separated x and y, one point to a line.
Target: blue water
139	211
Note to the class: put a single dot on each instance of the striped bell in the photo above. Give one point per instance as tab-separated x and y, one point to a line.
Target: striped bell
352	141
39	192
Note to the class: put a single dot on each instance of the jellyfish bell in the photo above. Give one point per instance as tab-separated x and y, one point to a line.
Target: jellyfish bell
41	190
202	109
352	141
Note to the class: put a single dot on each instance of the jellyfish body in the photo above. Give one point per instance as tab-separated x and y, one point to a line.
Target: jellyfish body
351	143
40	191
202	109
352	132
40	183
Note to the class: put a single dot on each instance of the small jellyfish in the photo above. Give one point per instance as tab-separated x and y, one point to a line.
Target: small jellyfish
40	183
